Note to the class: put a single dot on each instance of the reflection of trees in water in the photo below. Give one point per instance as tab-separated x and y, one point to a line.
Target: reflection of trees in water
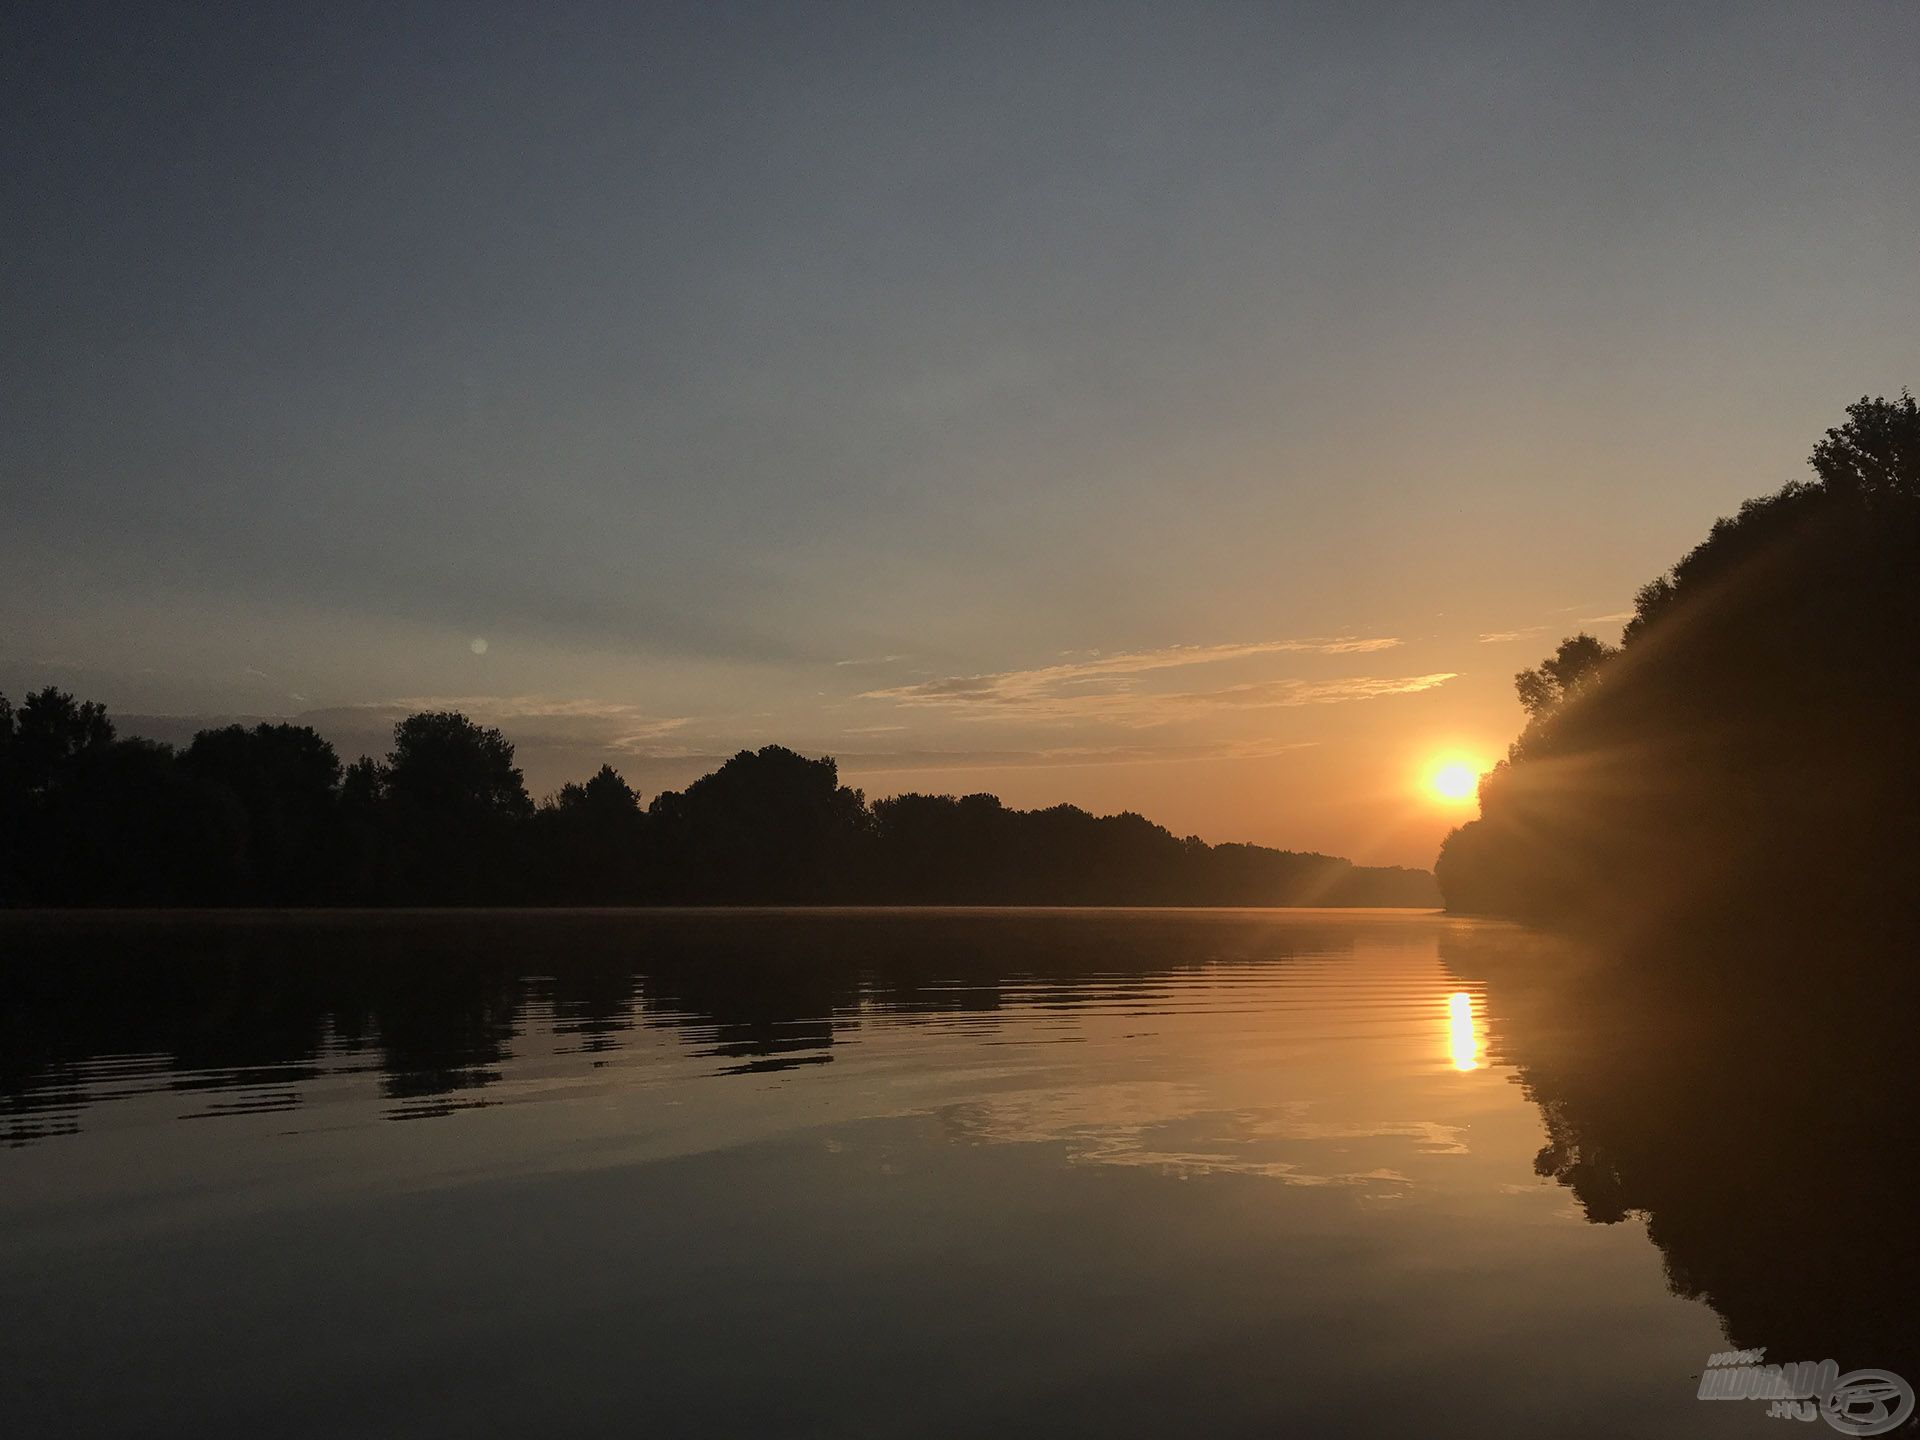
245	1010
596	1006
1762	1123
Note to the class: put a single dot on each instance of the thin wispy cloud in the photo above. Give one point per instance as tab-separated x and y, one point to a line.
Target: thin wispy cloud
513	707
1039	690
1501	637
626	729
1105	687
1283	694
1058	757
645	740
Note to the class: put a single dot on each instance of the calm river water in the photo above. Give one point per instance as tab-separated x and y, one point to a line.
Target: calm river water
889	1173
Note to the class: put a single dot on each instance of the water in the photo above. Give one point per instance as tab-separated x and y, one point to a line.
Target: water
870	1173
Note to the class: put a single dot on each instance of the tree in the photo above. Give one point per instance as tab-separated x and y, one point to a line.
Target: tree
443	763
286	779
454	801
767	826
48	735
606	794
1876	454
1746	756
44	747
123	823
363	786
366	870
589	843
1574	665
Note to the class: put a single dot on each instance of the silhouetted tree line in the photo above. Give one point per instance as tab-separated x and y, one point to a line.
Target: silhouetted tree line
268	815
1749	749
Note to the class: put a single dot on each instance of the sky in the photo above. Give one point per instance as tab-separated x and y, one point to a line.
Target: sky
1202	410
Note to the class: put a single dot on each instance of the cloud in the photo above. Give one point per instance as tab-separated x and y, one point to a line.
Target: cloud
1134	708
870	660
1058	690
1057	757
645	739
1173	1128
509	707
1107	687
1501	637
1279	694
541	719
529	720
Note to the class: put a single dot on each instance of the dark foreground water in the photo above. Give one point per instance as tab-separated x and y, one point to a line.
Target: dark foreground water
918	1174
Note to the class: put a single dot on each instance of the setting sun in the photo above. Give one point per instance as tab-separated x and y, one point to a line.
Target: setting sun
1454	780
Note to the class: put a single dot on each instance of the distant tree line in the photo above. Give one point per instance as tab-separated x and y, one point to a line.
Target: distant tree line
268	815
1749	750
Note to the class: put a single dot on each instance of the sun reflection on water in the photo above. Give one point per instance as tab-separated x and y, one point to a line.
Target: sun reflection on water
1463	1040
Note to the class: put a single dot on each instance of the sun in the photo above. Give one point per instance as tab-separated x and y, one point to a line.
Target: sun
1454	780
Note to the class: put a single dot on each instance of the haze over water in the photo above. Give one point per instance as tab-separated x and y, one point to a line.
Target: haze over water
826	1173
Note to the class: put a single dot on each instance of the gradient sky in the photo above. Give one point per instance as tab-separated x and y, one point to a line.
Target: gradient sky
1201	410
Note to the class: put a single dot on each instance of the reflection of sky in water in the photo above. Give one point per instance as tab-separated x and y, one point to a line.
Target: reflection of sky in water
1220	1188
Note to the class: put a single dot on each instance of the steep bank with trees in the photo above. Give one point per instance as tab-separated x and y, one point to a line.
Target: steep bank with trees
1750	748
269	816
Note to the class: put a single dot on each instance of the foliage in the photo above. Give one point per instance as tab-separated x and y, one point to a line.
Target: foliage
1563	675
285	779
1747	750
